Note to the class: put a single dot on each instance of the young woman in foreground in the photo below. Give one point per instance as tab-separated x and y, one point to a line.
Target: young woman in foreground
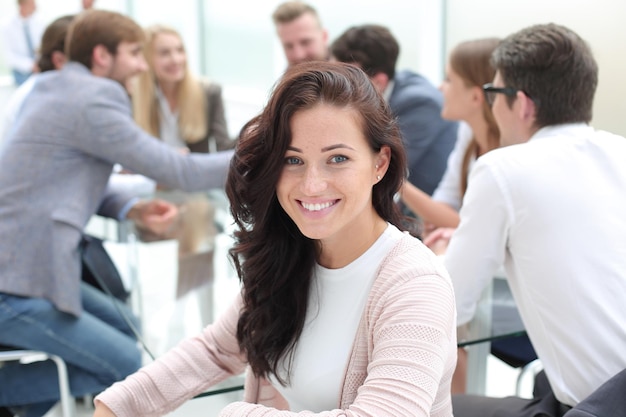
340	312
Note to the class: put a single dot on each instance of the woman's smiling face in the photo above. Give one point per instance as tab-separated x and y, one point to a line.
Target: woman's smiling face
329	171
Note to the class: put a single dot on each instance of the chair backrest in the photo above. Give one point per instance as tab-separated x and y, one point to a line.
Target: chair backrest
28	356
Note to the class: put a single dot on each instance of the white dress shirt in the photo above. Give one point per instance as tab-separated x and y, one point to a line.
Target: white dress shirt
553	210
16	49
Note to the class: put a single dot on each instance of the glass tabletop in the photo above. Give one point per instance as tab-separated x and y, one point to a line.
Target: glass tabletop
496	317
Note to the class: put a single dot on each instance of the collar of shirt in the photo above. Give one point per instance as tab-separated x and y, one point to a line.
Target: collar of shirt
566	129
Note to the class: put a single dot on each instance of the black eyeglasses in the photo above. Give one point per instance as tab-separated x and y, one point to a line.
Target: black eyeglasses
490	92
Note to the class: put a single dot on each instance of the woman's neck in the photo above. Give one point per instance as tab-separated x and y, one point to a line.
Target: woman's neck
338	253
170	92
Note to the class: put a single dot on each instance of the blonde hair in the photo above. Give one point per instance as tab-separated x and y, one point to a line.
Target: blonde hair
192	102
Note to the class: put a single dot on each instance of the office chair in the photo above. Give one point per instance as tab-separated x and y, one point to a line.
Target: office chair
29	356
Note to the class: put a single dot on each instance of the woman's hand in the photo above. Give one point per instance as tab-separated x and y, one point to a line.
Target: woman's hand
438	239
102	410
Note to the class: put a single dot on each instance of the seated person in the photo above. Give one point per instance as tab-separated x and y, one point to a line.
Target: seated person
311	189
171	104
467	71
73	126
533	206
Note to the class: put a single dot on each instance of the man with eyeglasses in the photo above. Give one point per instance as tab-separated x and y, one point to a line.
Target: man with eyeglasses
550	205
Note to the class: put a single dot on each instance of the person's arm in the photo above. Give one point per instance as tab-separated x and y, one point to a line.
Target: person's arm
429	210
478	246
116	138
415	319
154	215
187	370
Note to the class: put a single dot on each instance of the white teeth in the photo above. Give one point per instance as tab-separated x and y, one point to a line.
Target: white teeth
317	206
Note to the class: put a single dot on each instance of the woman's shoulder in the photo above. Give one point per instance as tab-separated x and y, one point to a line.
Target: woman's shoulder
411	259
210	86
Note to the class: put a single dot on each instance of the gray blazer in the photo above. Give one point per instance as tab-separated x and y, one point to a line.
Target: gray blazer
216	121
54	169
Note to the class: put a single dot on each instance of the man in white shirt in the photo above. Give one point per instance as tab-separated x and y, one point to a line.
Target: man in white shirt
22	36
551	206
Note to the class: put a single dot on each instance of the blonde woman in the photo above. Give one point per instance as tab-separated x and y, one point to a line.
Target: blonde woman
172	104
186	112
467	70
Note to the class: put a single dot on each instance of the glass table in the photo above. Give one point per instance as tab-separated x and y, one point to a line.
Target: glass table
224	282
496	302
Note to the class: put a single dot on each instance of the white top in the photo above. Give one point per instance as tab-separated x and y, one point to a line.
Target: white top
319	366
15	45
449	189
554	211
168	123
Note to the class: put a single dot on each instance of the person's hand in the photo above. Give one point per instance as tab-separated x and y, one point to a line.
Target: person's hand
427	229
102	410
438	239
156	216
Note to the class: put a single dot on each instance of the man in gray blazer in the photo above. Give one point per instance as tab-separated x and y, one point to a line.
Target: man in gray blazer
416	103
73	127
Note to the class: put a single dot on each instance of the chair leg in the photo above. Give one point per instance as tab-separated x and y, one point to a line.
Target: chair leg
533	367
29	356
67	402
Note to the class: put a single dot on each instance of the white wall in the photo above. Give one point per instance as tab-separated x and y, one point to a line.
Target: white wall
599	22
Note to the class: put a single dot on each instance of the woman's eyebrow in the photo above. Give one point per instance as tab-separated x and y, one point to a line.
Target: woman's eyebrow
325	149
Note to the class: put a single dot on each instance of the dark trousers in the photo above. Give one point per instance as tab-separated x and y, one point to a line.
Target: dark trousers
543	404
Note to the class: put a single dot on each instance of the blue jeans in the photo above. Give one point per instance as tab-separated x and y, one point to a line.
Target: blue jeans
98	348
20	77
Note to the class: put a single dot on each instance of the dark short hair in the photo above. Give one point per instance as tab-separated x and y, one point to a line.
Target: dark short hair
555	67
99	27
372	47
53	40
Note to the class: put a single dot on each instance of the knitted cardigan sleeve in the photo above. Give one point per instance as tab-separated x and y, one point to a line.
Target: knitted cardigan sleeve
401	363
185	371
405	349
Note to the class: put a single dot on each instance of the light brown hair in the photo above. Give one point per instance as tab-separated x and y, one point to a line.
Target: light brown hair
471	61
99	27
291	10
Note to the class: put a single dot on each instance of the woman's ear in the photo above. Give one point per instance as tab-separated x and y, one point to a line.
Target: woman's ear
478	96
382	161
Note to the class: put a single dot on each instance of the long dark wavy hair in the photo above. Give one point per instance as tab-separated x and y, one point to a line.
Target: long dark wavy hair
273	259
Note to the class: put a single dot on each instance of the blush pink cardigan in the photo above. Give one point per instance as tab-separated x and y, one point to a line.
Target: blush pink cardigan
401	364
